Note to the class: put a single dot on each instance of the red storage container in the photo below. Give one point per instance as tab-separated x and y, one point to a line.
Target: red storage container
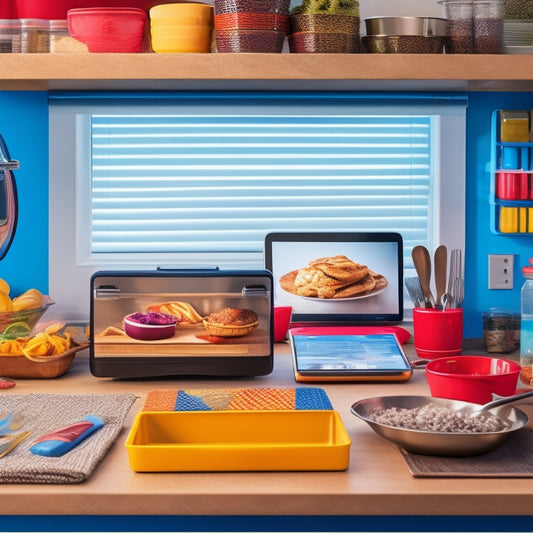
6	9
513	186
57	9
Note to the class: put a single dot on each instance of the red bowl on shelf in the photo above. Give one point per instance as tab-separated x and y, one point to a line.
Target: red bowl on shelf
109	30
472	378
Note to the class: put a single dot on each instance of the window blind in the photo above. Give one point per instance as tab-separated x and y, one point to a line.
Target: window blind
219	182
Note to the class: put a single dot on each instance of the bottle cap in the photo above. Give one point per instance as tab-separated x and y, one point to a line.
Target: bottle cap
527	271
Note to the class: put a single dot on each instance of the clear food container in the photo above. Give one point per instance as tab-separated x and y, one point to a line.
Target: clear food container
9	36
34	36
488	26
460	27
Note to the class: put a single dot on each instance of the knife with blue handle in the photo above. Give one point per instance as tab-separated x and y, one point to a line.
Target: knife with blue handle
63	440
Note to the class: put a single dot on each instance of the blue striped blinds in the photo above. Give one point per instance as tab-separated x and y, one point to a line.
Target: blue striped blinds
220	181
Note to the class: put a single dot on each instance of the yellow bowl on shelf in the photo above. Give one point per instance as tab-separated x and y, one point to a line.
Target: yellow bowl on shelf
187	14
182	42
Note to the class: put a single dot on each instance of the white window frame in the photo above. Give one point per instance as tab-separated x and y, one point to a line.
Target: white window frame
71	264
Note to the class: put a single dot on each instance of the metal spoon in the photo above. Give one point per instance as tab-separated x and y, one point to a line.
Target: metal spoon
422	262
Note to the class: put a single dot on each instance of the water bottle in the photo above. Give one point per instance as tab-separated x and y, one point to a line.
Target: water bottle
526	327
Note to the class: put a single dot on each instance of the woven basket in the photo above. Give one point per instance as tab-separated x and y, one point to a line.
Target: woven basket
280	7
323	43
252	21
323	23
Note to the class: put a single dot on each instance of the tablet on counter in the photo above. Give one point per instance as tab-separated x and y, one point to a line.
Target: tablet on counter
321	356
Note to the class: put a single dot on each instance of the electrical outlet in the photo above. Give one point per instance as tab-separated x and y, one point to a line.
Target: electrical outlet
501	271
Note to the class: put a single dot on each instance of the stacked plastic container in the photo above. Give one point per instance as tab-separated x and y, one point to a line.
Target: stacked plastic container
512	172
181	28
251	26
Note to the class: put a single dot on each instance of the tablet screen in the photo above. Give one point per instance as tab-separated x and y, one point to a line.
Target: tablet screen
348	354
338	277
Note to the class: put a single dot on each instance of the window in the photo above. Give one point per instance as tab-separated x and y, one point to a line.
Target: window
139	181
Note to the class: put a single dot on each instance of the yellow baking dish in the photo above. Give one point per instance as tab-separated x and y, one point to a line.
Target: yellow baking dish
192	441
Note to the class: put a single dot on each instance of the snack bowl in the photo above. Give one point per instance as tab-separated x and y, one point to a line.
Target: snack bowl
15	324
46	367
472	378
250	41
150	326
104	30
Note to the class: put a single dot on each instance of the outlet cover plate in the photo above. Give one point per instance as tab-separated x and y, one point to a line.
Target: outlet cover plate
501	271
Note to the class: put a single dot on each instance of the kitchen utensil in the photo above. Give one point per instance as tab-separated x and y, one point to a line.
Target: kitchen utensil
422	262
440	265
9	442
472	378
61	441
435	442
10	422
414	290
8	199
438	332
453	297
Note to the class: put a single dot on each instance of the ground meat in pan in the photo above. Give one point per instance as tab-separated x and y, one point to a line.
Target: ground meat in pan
437	419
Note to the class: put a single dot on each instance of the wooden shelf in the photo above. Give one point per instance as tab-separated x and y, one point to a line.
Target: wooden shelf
266	71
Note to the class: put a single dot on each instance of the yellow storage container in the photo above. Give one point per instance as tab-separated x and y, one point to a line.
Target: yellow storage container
189	441
514	126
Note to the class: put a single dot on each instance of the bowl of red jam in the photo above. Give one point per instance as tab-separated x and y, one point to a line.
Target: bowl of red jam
150	326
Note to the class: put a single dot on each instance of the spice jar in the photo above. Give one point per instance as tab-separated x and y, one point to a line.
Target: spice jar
57	32
501	330
34	36
9	36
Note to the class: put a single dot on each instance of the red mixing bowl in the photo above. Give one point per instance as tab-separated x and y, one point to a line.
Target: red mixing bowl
472	378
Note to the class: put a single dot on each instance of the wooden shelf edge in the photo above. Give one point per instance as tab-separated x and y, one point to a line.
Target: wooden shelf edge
348	71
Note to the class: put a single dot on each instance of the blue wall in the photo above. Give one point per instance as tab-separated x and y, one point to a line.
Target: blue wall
24	126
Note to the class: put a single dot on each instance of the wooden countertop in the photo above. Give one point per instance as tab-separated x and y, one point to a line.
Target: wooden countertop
377	481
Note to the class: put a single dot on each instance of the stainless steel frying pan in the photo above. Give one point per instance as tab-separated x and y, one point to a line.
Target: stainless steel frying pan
8	199
442	443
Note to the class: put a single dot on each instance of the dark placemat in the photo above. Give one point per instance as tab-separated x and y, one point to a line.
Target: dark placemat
43	413
513	459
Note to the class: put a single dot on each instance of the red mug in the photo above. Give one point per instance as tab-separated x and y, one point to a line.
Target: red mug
437	333
282	319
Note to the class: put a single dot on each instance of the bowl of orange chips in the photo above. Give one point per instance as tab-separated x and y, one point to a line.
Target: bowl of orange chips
47	354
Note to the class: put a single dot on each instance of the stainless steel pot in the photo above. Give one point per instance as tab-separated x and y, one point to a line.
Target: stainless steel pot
443	443
8	199
406	26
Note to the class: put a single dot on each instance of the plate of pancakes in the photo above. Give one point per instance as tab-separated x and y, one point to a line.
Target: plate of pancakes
333	278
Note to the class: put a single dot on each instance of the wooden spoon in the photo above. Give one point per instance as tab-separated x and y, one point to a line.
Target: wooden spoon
440	265
422	262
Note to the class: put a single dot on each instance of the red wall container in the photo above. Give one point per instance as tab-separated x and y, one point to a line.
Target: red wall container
6	9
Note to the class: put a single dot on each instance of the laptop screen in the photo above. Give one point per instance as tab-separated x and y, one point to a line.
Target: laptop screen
338	277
